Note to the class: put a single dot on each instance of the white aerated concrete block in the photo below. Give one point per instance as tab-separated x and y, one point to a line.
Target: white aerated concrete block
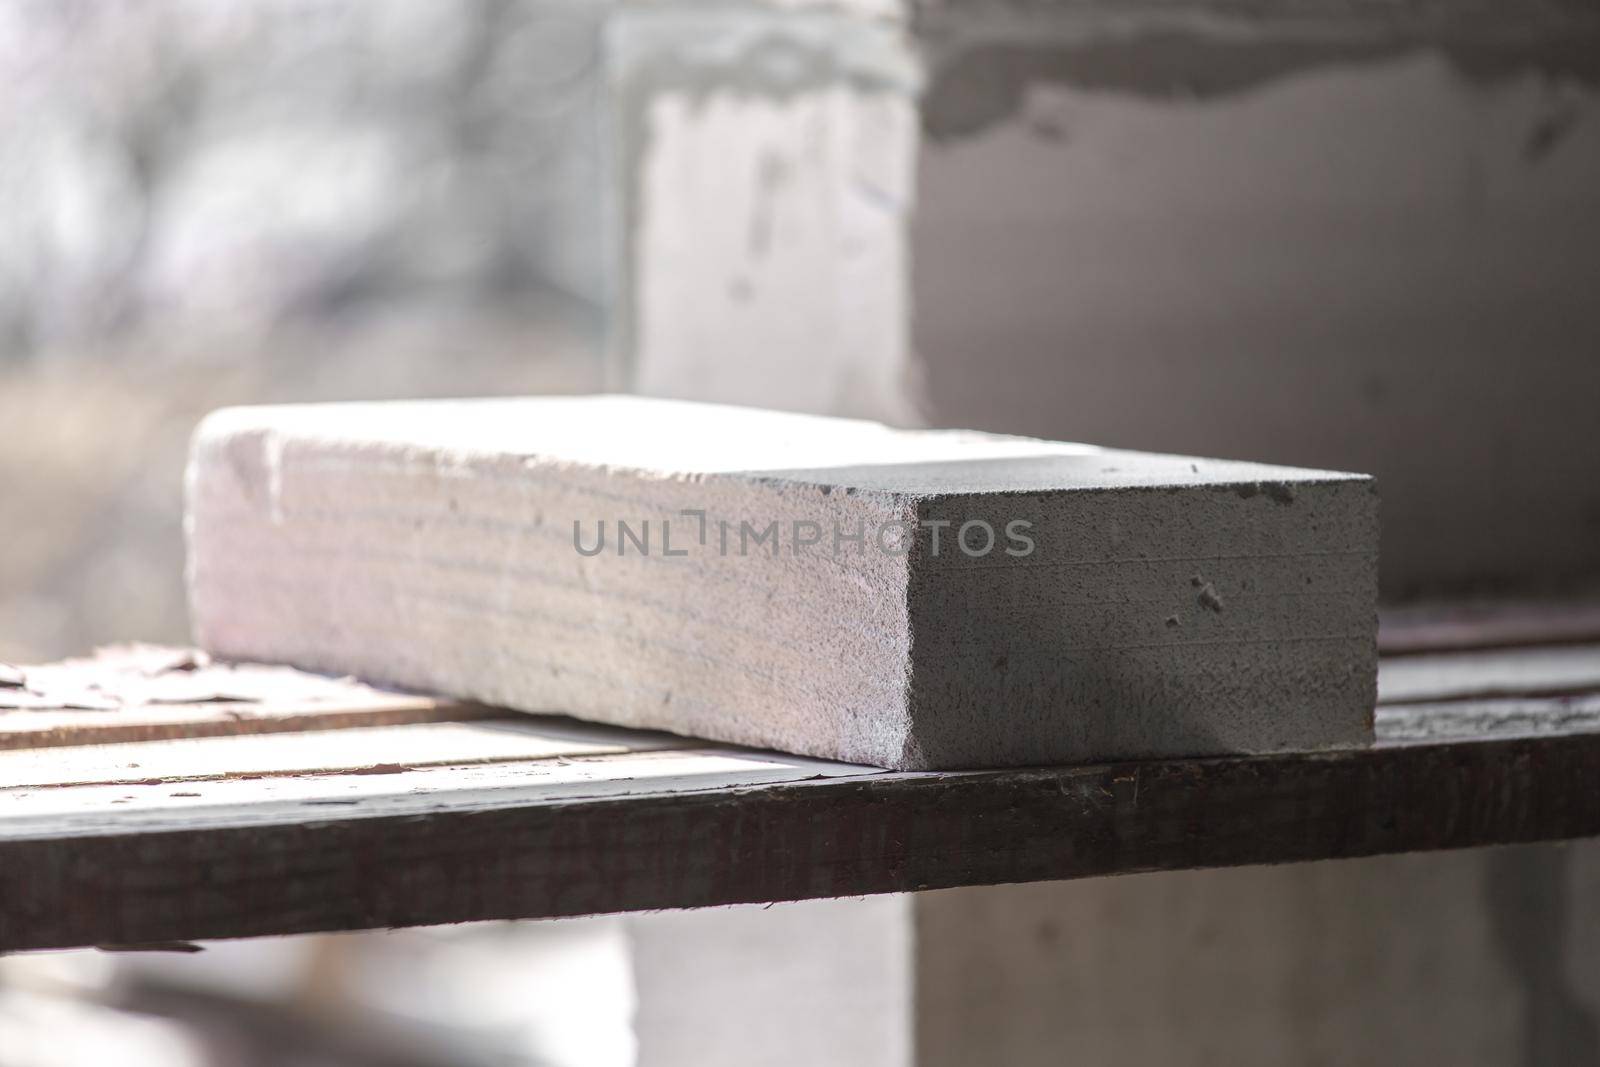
912	599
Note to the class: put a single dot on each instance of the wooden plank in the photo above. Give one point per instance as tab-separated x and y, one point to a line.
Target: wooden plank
365	751
521	840
1488	624
269	800
20	729
1510	672
1478	720
236	838
148	693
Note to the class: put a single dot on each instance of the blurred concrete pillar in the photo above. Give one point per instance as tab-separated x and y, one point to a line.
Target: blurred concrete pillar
1488	957
1467	958
763	163
763	166
790	985
1485	957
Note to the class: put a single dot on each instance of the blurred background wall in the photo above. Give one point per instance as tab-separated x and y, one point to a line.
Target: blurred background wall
208	203
1361	238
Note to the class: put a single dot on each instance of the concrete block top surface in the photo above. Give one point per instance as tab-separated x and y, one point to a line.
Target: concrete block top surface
679	438
830	587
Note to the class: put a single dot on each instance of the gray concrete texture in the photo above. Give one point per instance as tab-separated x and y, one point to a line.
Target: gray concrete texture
1329	247
908	599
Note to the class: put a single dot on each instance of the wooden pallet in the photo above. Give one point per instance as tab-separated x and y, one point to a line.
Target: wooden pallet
148	796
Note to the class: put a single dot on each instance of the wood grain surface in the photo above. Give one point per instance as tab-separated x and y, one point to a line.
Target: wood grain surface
401	825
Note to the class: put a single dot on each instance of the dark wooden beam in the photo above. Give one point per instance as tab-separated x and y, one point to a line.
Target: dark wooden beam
90	880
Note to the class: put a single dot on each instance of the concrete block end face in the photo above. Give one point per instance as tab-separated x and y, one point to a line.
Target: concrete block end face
1150	621
834	588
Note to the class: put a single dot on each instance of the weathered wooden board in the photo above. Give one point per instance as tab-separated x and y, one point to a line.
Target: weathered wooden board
31	729
407	857
1511	672
592	824
147	693
365	751
1488	719
1493	624
42	813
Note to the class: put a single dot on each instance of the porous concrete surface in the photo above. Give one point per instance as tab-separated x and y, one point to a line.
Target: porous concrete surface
1168	606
